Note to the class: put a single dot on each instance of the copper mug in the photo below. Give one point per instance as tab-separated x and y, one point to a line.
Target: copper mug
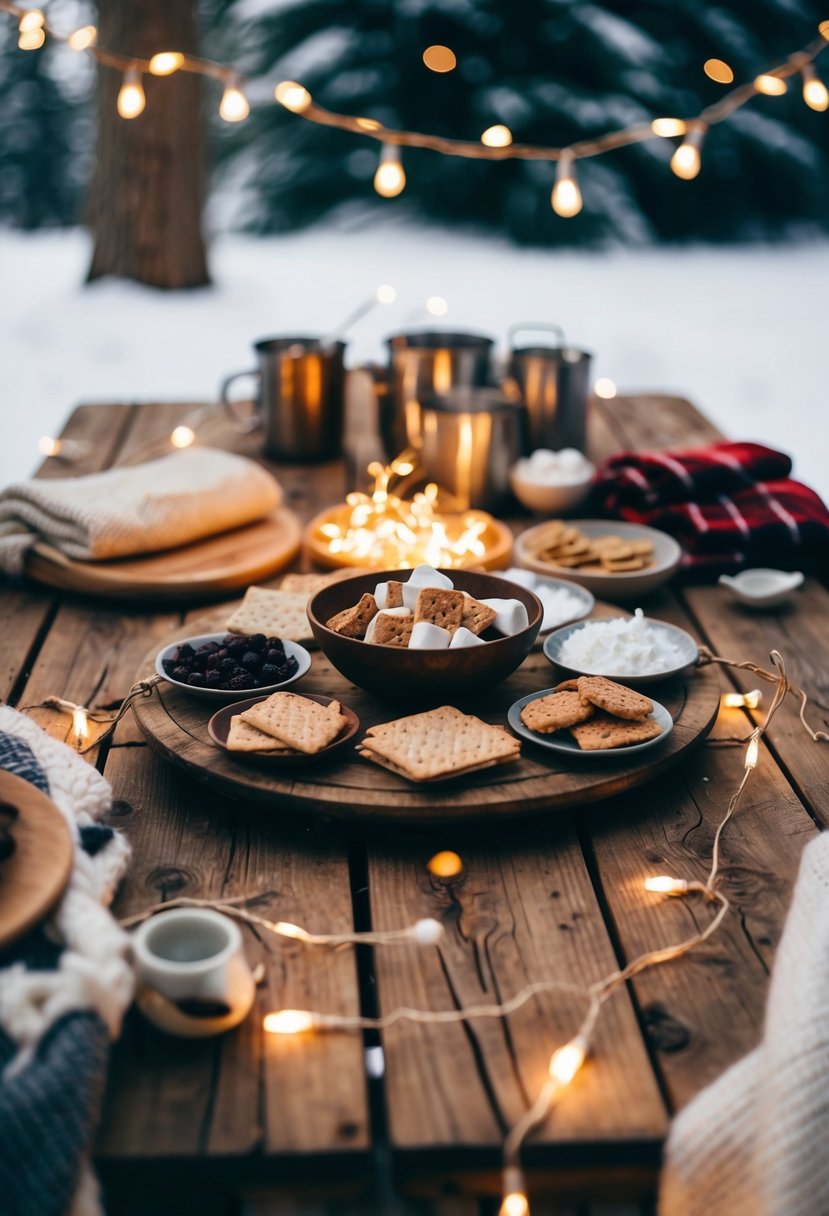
552	381
299	405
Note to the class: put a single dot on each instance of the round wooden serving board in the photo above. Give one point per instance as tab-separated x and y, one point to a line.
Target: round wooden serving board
352	788
34	877
207	567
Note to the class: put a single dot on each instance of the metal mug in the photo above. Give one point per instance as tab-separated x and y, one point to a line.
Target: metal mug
553	384
300	401
423	365
469	439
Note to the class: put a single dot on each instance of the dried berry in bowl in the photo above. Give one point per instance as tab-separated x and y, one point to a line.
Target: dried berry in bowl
234	664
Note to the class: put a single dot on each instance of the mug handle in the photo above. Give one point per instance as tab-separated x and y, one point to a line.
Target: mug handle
543	326
250	423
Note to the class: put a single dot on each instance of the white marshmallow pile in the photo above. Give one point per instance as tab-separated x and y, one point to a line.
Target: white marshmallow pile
510	615
565	468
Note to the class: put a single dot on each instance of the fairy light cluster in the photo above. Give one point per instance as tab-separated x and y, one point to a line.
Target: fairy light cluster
495	143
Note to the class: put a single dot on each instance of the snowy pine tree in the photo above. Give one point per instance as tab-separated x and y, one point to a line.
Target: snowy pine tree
554	72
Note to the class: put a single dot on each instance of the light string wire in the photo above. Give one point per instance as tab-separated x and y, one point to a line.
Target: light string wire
391	179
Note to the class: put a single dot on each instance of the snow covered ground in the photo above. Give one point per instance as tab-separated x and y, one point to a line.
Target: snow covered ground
742	332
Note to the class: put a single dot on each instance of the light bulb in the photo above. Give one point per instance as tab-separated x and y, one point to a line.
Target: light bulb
80	724
286	929
815	93
164	63
436	306
772	86
498	136
566	197
131	99
182	437
567	1061
33	19
686	161
390	178
47	446
753	751
368	124
823	29
386	294
427	932
514	1202
719	70
82	39
440	58
604	388
292	96
445	864
663	884
736	700
234	106
668	126
289	1021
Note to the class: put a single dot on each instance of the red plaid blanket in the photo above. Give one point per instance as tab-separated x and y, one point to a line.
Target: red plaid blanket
730	505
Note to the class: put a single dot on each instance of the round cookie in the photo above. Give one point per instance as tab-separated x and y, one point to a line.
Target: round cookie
614	698
556	712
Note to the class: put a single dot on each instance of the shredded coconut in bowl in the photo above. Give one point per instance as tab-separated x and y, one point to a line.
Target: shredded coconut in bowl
619	647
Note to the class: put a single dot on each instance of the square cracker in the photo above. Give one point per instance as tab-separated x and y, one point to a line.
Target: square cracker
312	583
242	737
353	622
393	630
440	607
476	616
394	594
604	731
440	743
277	614
367	754
297	722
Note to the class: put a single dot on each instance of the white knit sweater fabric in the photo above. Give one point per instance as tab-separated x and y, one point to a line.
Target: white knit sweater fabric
754	1142
164	503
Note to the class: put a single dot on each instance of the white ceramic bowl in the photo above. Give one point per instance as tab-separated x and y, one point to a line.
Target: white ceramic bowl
614	587
566	745
761	587
537	582
544	499
687	647
225	695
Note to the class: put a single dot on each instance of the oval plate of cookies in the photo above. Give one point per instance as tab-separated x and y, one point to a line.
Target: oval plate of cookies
591	718
284	729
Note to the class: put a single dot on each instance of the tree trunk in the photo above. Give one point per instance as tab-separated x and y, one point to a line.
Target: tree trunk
145	201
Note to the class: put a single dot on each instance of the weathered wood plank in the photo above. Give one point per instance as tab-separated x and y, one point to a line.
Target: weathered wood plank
524	911
246	1092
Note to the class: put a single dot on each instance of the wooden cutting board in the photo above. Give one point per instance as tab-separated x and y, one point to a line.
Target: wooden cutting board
204	569
35	876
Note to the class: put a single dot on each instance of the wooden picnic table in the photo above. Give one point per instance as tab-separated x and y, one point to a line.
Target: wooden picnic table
190	1126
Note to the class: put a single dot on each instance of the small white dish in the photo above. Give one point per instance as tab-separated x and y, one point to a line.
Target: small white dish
679	637
761	587
566	745
294	649
536	582
548	497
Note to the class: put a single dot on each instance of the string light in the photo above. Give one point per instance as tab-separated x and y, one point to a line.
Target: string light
445	865
753	750
769	84
498	136
815	93
234	106
386	294
719	70
31	31
183	437
164	63
566	1062
289	1021
440	59
824	30
605	388
668	126
131	99
686	161
80	725
47	446
83	39
663	884
740	700
566	197
292	96
390	178
514	1202
436	306
368	124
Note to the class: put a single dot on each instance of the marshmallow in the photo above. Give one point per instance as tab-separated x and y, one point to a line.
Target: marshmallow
381	595
428	576
426	636
384	612
465	637
510	615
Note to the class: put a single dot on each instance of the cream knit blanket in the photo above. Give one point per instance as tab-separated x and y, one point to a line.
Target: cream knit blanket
159	505
754	1142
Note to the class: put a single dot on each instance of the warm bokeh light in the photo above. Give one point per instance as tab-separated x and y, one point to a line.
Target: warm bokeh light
33	19
386	294
753	751
445	864
82	39
390	178
47	446
437	306
439	58
815	93
164	63
719	70
567	1061
368	124
772	86
131	99
668	126
604	388
686	161
738	700
183	437
498	136
234	106
31	40
514	1204
663	884
292	96
289	1021
80	725
823	29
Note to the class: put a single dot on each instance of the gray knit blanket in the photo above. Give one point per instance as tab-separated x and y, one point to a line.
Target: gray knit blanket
63	991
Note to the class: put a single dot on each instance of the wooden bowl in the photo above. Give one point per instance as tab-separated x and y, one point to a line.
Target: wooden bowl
425	676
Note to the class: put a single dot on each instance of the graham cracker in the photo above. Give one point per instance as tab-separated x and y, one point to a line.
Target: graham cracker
277	614
476	616
439	743
393	630
242	737
312	583
440	607
555	712
394	594
297	722
614	698
353	622
603	731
